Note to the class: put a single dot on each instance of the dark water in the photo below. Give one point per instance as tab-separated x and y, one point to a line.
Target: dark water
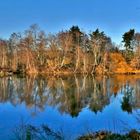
69	106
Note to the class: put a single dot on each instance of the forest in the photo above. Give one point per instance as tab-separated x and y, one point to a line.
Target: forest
68	52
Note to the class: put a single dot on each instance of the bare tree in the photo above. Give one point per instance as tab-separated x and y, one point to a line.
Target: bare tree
14	42
65	39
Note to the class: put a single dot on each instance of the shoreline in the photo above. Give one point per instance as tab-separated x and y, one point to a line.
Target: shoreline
67	73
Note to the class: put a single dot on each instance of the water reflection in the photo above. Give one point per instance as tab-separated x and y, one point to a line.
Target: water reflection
70	94
73	100
127	102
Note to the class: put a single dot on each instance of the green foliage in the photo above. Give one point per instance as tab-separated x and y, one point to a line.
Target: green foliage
128	38
76	35
99	38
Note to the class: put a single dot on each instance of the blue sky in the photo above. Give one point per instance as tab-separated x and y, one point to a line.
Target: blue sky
112	16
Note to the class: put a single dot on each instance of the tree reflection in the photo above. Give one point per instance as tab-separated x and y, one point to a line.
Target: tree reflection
127	99
70	94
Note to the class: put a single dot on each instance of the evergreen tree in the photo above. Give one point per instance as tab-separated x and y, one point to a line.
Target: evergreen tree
128	38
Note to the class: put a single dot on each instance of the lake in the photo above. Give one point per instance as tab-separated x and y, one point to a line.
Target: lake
68	106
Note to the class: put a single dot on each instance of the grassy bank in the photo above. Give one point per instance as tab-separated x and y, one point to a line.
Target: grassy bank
132	135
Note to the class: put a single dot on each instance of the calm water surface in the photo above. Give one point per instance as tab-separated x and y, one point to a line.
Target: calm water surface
69	106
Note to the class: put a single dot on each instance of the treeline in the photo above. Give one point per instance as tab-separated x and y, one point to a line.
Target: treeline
70	51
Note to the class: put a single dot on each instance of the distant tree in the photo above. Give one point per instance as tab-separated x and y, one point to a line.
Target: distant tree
3	54
137	40
65	41
99	44
31	44
32	35
53	52
76	39
34	45
136	60
41	49
14	42
76	35
85	49
128	38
